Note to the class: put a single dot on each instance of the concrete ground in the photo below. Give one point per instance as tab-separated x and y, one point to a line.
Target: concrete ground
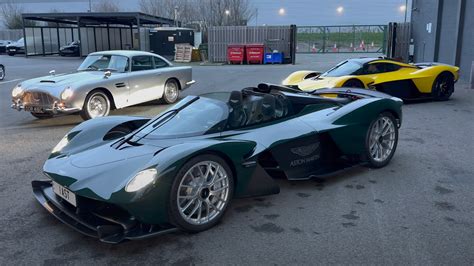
417	210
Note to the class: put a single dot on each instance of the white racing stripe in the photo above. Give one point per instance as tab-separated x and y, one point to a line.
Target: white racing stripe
9	81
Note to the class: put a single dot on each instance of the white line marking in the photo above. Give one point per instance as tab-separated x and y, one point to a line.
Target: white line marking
9	81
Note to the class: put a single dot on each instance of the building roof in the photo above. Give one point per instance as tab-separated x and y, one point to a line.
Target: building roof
99	18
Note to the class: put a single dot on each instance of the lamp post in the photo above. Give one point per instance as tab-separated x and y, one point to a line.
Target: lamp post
90	5
405	9
256	16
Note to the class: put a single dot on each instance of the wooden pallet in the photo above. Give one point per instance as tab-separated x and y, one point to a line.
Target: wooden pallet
183	53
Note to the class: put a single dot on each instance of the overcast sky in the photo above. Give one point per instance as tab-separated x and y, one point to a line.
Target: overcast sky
299	12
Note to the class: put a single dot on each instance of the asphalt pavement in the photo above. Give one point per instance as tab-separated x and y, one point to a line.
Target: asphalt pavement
417	210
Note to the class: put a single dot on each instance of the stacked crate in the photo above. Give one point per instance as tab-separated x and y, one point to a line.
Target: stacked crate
183	53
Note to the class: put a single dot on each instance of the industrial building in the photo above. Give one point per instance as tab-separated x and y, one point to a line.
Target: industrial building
442	32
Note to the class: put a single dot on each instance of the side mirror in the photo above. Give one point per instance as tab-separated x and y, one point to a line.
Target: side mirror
107	74
52	72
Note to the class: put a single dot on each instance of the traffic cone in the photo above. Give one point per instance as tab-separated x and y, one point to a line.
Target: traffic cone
362	45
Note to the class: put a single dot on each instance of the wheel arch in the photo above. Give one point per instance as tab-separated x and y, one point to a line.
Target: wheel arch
180	86
344	80
108	93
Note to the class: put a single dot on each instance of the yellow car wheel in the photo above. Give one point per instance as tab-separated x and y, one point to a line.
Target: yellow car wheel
443	86
353	83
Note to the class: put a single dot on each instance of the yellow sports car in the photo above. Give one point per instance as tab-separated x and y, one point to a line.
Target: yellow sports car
406	81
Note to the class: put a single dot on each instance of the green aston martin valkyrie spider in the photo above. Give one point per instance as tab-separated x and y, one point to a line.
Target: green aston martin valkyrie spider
119	178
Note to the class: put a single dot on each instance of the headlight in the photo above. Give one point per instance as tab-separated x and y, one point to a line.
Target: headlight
17	91
141	180
60	145
67	93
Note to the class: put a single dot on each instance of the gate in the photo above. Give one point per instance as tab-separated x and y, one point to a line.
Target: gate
281	38
399	41
341	39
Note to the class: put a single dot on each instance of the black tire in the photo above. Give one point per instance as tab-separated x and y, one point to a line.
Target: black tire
87	113
11	54
443	87
169	97
2	72
371	159
42	115
353	83
174	211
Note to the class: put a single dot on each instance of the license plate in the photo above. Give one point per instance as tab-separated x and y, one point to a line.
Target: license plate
13	50
64	193
34	109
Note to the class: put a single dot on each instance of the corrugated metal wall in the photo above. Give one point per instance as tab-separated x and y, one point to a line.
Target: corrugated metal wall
274	37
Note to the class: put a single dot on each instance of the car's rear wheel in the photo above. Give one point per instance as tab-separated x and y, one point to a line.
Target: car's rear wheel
201	193
171	91
97	104
42	115
443	87
381	140
2	72
11	53
353	83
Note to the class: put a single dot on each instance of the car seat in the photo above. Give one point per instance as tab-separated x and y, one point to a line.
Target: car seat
268	107
237	116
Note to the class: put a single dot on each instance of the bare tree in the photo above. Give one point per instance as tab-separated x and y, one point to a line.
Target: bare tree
11	15
205	12
105	6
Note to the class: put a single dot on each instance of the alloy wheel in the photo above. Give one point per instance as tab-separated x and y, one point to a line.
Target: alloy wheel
382	139
203	192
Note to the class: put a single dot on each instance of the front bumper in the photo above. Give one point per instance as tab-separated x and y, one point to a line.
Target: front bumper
54	108
96	219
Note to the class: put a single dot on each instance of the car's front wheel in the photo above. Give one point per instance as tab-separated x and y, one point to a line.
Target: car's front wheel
2	72
353	83
171	91
443	87
97	104
201	193
381	140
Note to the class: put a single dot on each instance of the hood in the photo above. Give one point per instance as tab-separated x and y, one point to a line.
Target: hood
55	84
103	169
318	83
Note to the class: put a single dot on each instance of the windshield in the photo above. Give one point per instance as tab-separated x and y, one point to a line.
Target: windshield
343	69
104	62
203	116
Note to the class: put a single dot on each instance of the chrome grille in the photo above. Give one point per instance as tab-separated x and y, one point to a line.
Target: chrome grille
37	99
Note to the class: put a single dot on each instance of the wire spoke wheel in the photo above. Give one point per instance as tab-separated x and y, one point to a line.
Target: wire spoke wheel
382	139
97	104
2	72
203	192
171	92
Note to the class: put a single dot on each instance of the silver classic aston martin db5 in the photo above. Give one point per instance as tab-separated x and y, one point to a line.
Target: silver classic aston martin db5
104	81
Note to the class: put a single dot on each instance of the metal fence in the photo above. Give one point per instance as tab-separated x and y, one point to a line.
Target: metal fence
281	38
12	35
341	39
47	40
